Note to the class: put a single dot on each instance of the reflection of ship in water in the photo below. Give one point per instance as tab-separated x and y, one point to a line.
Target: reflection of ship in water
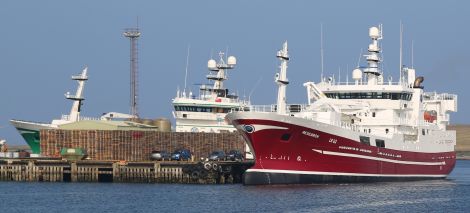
206	112
370	129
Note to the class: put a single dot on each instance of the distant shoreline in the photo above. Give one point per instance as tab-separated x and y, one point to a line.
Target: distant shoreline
463	157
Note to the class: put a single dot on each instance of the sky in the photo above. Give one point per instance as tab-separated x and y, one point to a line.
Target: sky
43	43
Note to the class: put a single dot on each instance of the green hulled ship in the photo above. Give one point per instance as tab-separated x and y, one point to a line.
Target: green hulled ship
30	131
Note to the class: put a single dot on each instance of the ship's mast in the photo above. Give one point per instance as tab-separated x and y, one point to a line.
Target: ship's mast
373	58
220	70
78	97
281	79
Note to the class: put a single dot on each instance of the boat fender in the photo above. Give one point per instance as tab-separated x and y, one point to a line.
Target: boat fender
195	174
207	165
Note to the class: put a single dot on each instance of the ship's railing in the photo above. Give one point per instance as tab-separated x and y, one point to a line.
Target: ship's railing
223	99
408	122
345	125
37	122
349	126
81	118
333	83
261	108
431	96
291	108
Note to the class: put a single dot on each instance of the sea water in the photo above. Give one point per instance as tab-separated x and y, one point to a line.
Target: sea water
448	195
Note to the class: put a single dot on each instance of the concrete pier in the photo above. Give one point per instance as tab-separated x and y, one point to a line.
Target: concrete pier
47	170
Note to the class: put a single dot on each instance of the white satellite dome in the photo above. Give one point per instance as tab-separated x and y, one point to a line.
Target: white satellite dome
211	64
357	74
231	60
374	32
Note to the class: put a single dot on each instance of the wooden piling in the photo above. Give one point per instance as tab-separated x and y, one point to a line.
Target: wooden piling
73	172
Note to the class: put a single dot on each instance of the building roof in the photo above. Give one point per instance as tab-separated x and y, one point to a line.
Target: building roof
107	125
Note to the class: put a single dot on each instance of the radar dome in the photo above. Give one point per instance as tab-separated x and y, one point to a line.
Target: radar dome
231	60
374	32
357	74
211	64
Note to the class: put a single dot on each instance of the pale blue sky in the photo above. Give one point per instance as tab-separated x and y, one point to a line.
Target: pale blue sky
44	42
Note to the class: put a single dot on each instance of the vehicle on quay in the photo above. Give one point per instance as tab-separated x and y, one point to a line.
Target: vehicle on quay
234	155
181	154
218	155
160	155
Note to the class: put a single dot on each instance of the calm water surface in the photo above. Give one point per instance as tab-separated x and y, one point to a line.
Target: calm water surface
450	195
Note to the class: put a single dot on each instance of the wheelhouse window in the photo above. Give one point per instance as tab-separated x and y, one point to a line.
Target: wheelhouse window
369	95
364	140
203	109
379	143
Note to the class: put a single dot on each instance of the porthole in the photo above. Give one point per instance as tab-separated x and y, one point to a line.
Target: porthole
285	137
249	128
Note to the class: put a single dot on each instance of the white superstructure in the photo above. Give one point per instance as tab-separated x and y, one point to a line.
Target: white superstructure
400	110
397	114
206	112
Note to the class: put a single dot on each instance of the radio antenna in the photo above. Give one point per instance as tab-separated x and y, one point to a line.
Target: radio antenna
401	50
359	59
186	71
339	74
321	50
254	88
412	54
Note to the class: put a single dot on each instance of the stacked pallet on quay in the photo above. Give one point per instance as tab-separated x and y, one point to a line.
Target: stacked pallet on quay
136	145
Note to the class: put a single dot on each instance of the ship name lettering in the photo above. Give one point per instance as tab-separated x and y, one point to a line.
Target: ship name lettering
355	149
279	157
313	135
332	140
389	154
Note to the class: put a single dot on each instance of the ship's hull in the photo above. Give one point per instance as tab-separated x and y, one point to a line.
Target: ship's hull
278	177
292	150
30	131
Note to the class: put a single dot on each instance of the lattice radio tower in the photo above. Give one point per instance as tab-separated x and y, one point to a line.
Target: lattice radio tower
133	34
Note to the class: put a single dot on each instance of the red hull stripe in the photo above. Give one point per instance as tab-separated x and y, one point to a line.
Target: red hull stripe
379	159
339	173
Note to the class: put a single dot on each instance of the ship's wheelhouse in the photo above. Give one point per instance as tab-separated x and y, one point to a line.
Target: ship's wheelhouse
406	96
